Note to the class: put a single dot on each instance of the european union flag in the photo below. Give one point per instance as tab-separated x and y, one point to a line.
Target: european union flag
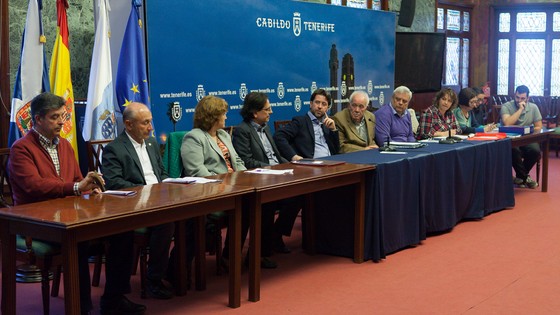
132	80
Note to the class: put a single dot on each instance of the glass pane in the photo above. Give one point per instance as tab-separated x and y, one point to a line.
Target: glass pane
452	61
503	67
440	18
465	66
466	21
531	22
555	75
504	22
529	64
362	4
336	2
453	20
556	22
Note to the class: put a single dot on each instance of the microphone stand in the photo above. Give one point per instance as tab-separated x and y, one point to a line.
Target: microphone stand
448	140
386	147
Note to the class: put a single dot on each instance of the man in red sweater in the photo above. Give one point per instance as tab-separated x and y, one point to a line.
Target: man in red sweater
42	166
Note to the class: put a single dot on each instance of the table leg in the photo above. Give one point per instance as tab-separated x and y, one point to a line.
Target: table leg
71	274
308	217
200	250
8	269
359	218
234	229
181	254
255	248
544	183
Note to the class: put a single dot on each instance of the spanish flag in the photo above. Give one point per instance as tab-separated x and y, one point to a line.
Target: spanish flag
59	75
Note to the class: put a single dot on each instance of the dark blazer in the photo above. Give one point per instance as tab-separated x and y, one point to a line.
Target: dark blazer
250	148
298	137
121	166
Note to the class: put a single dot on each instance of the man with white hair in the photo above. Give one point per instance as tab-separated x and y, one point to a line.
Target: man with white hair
394	122
356	125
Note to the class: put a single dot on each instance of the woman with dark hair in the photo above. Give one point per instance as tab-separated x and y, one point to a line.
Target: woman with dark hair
438	119
468	101
207	150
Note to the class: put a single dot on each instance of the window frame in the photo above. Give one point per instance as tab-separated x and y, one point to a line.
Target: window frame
548	35
462	35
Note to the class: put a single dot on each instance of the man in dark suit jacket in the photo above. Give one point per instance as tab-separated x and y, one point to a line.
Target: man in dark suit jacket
310	136
133	159
254	144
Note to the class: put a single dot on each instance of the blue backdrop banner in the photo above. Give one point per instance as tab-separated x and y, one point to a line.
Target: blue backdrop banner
286	49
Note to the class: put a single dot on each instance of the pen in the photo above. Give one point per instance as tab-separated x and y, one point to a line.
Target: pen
392	152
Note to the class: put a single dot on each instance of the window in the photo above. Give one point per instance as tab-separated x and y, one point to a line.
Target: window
455	22
361	4
527	51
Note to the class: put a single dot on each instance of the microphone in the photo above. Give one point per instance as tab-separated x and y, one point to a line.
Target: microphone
387	146
449	139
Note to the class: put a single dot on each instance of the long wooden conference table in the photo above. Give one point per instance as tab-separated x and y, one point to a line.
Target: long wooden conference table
305	180
76	219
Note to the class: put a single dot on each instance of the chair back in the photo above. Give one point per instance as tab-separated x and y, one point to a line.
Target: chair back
94	152
278	124
229	130
413	120
172	154
5	187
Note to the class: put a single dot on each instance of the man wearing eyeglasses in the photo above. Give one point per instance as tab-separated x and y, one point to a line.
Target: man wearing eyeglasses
356	125
520	112
310	136
254	144
42	167
479	111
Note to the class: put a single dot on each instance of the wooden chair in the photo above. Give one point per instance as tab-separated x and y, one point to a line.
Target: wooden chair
141	236
229	130
553	123
42	255
497	102
5	189
94	151
280	124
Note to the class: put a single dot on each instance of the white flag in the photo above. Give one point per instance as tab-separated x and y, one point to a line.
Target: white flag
99	121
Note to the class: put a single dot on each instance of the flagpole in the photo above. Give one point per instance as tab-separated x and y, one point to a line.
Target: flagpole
4	73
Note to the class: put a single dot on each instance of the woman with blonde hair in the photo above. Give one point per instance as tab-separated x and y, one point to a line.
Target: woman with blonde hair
207	150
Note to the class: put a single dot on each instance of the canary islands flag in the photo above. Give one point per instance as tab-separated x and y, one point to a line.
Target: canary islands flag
32	75
60	78
99	120
132	80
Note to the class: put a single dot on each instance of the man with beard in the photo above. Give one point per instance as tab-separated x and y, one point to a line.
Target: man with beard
310	136
521	112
